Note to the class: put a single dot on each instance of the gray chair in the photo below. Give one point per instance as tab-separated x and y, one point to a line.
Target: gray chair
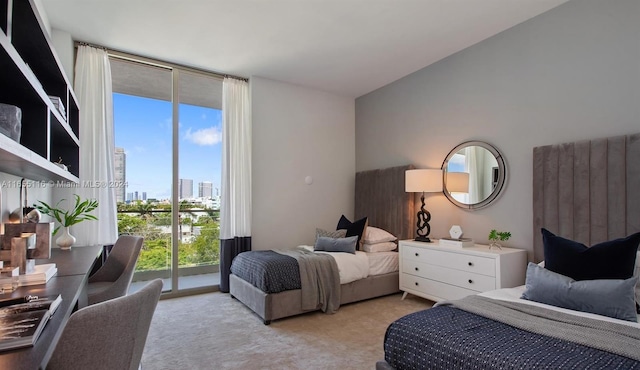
108	335
112	280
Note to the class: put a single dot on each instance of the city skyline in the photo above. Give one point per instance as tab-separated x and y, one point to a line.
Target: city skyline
143	129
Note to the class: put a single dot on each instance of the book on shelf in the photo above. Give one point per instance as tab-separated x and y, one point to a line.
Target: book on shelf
458	243
23	319
40	275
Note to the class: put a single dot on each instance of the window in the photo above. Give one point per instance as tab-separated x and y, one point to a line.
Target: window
168	125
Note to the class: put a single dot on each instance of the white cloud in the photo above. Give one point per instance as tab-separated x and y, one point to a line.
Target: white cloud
204	137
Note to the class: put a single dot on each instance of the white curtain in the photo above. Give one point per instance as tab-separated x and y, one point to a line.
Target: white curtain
94	92
474	165
235	207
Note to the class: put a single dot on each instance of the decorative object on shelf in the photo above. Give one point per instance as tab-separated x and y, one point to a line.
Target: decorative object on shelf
495	236
24	214
66	218
455	232
423	180
456	239
60	164
11	121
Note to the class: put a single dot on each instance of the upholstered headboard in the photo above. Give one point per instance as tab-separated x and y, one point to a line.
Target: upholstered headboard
381	196
588	191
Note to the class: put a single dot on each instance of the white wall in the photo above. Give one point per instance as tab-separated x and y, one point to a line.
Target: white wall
299	132
63	43
569	74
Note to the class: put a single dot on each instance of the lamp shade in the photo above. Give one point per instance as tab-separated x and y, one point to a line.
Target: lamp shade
457	182
423	180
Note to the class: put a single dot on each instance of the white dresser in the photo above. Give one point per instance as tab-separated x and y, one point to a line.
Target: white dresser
439	273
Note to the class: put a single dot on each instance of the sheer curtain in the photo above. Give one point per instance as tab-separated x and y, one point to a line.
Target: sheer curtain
235	207
94	93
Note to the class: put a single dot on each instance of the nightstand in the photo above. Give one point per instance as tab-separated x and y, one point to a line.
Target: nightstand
438	273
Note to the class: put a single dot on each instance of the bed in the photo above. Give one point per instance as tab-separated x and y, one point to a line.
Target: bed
380	196
578	308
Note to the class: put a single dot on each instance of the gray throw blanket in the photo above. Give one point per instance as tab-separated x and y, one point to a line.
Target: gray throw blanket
607	336
319	279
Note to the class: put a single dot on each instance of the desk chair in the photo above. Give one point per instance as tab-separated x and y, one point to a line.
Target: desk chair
112	280
108	335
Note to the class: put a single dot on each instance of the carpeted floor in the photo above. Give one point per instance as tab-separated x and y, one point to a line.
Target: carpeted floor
214	331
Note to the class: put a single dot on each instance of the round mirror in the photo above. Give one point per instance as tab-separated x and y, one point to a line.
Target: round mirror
474	174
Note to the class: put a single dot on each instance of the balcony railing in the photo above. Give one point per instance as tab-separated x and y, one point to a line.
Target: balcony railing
199	239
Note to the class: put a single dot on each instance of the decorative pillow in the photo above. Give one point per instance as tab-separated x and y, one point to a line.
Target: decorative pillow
614	259
353	228
330	234
608	297
375	235
326	244
379	247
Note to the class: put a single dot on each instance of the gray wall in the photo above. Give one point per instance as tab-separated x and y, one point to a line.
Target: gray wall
569	74
299	132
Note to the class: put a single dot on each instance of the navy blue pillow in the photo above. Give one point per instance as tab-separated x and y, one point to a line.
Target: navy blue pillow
614	259
353	228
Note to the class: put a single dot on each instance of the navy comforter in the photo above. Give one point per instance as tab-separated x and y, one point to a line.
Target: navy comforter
268	271
446	337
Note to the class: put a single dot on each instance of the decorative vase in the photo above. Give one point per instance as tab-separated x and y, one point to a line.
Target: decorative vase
66	240
495	245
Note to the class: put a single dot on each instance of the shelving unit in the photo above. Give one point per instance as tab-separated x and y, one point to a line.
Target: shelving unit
31	72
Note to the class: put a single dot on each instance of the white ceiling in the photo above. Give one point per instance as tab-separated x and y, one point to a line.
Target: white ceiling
348	47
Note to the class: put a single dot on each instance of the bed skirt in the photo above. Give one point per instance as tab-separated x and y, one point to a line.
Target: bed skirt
288	303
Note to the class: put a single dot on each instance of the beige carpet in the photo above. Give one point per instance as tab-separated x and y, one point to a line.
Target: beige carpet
214	331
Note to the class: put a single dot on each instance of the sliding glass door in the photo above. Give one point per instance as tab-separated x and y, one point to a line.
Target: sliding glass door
168	144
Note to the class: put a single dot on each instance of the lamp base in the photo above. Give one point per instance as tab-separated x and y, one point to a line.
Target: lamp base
423	239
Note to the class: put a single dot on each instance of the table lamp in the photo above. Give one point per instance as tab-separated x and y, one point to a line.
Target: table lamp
457	182
425	181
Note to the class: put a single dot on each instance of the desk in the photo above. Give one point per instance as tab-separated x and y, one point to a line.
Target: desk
71	282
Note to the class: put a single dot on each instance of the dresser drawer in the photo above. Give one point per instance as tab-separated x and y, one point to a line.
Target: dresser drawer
464	279
463	262
432	289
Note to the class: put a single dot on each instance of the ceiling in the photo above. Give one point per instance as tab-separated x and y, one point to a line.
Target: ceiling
347	47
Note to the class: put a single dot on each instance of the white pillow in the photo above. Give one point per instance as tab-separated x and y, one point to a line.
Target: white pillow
374	235
379	247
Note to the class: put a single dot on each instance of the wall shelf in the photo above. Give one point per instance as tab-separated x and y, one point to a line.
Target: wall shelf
31	73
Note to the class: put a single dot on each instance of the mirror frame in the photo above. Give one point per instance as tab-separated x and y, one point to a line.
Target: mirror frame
502	175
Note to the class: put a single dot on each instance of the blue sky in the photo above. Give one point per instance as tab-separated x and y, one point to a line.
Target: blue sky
143	129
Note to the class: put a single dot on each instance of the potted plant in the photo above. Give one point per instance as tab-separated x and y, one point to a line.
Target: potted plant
495	236
67	218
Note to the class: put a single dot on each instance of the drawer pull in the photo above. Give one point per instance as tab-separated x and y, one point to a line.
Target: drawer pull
416	269
416	283
470	263
417	254
470	281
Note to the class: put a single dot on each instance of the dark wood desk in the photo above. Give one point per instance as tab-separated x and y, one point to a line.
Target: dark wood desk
71	282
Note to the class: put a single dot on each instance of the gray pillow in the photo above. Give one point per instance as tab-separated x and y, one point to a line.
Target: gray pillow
331	234
608	297
326	244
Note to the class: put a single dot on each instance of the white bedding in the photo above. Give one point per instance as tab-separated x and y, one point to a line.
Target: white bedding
514	294
382	262
352	267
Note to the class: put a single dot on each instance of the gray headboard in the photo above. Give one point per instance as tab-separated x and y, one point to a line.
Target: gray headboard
588	191
381	196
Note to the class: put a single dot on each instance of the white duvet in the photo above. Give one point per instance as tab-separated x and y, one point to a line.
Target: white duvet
514	294
352	267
